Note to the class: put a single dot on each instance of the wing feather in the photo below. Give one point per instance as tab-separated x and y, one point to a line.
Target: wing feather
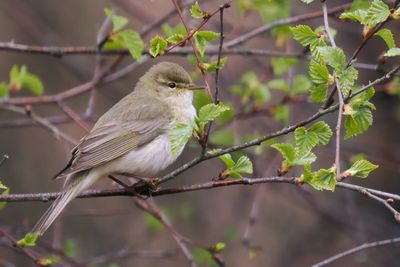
115	138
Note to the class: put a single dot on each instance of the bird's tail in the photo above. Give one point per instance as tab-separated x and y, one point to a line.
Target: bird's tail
73	187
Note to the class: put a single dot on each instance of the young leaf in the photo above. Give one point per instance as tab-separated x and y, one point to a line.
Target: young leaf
303	158
235	169
6	191
301	84
209	112
346	77
304	34
333	56
387	36
358	122
32	83
324	179
4	88
196	12
118	22
376	13
133	42
70	248
212	67
157	46
280	65
202	38
318	134
393	52
279	84
29	240
360	169
175	38
319	92
287	151
242	165
318	72
179	136
227	159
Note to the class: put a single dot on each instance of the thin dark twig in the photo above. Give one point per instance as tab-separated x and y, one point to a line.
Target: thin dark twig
216	94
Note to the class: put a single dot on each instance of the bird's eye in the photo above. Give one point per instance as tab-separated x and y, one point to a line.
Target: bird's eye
172	85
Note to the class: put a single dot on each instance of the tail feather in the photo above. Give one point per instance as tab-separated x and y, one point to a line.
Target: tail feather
73	188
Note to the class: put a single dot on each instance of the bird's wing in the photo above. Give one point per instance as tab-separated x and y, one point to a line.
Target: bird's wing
115	138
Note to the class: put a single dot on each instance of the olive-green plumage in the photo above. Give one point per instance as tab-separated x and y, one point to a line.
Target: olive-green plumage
131	137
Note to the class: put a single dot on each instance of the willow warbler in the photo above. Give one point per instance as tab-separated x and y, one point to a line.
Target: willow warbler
131	137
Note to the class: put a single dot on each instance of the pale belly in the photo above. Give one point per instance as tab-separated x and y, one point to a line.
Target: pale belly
146	161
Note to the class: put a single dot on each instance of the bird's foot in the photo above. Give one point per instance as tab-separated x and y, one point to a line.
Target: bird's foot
144	188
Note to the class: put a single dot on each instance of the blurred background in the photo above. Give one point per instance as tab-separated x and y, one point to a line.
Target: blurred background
293	226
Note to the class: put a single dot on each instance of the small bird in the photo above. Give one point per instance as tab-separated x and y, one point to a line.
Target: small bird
132	137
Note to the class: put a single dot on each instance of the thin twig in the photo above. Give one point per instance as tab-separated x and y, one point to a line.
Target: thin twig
357	249
339	92
217	69
150	207
39	120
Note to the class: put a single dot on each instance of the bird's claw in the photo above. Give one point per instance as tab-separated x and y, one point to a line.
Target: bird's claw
144	188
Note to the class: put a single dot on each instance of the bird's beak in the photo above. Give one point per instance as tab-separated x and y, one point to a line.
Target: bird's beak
195	87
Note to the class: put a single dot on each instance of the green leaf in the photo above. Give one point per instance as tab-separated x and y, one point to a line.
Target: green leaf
209	112
29	240
333	56
212	67
376	13
242	165
49	260
387	36
307	1
303	158
179	136
324	179
157	46
118	22
227	159
202	38
319	93
4	88
304	34
358	122
356	15
287	151
360	169
175	38
318	134
6	191
203	256
279	84
14	76
133	42
70	248
301	84
280	65
32	83
393	52
346	77
220	246
318	72
196	12
223	137
281	114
